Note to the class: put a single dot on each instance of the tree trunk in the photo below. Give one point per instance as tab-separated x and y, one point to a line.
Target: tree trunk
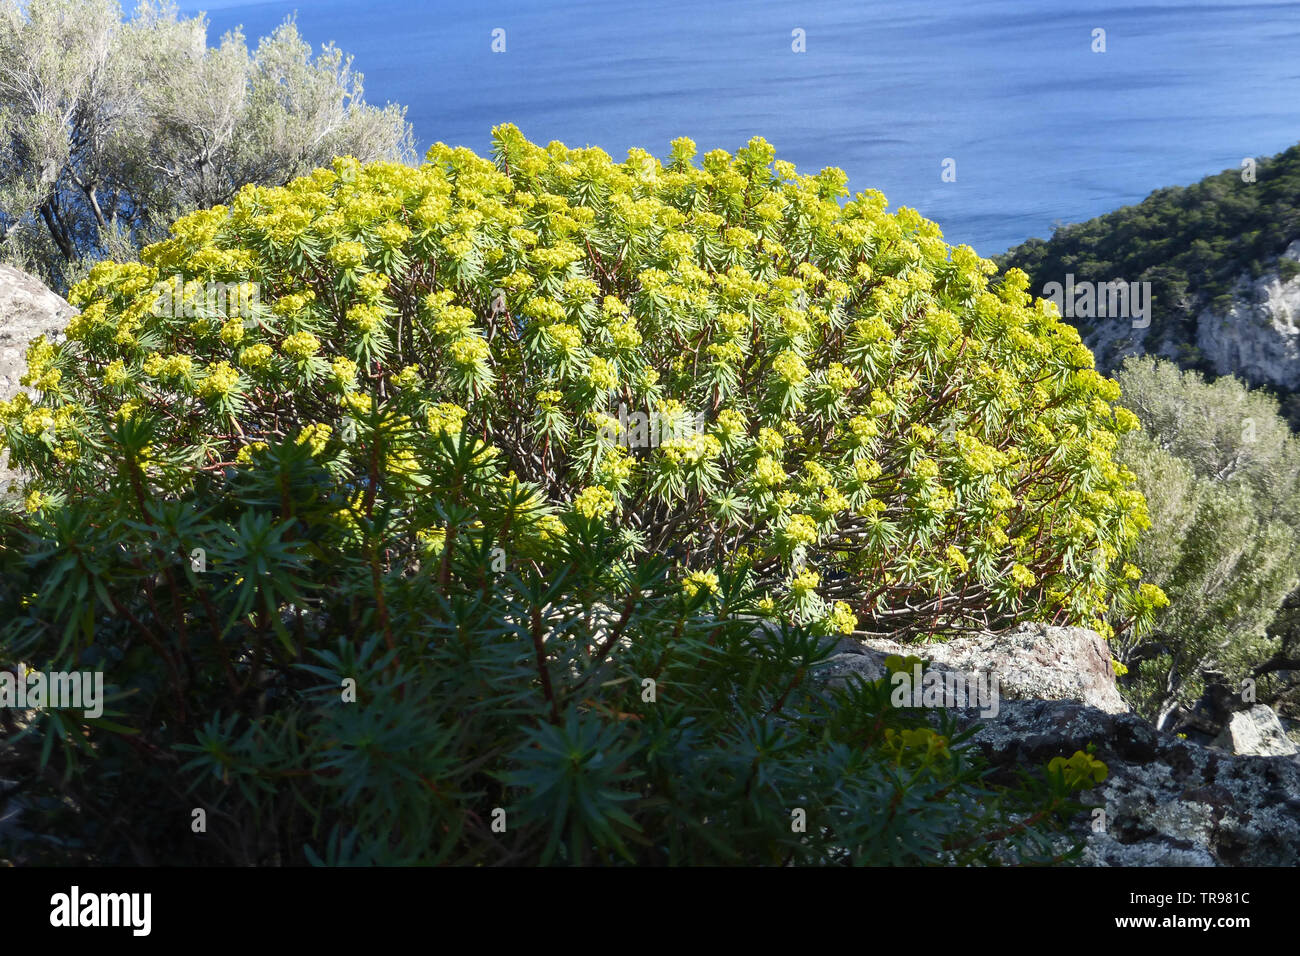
94	205
1165	713
1171	698
57	232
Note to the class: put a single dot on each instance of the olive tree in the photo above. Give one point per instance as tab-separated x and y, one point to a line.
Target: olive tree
111	128
1220	470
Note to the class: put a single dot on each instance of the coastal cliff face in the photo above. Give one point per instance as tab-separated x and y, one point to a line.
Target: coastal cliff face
1111	342
1257	338
27	309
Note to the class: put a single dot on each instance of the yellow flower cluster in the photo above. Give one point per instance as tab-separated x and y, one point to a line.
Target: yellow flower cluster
169	367
116	375
220	381
805	583
594	501
343	371
444	418
300	345
602	375
691	451
697	581
468	350
315	437
367	318
408	377
790	367
245	454
841	620
256	357
1080	771
768	473
347	255
799	530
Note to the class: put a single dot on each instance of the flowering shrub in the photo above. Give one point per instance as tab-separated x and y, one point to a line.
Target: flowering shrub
848	412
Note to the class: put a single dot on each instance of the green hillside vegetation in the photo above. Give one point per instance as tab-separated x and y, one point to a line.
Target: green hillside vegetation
1190	242
1214	460
1220	471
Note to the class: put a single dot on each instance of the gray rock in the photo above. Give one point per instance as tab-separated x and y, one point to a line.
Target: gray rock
1256	731
27	309
1031	662
1111	341
1258	338
1167	801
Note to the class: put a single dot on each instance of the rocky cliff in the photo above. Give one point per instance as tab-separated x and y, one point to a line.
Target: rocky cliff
1256	337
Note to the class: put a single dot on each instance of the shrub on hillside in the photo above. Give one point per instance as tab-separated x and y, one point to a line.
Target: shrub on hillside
718	360
1279	675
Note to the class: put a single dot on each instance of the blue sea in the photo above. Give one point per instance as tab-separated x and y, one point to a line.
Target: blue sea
1040	129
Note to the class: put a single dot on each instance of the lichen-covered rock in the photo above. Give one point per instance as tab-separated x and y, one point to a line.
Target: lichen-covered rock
1166	801
1256	731
1031	662
27	309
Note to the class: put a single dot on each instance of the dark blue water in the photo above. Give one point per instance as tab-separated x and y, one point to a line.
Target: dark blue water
1042	129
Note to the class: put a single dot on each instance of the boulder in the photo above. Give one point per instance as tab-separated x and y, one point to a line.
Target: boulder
27	309
1256	731
1166	801
1031	662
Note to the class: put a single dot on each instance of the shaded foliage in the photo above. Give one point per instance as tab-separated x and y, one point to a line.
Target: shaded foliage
501	713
